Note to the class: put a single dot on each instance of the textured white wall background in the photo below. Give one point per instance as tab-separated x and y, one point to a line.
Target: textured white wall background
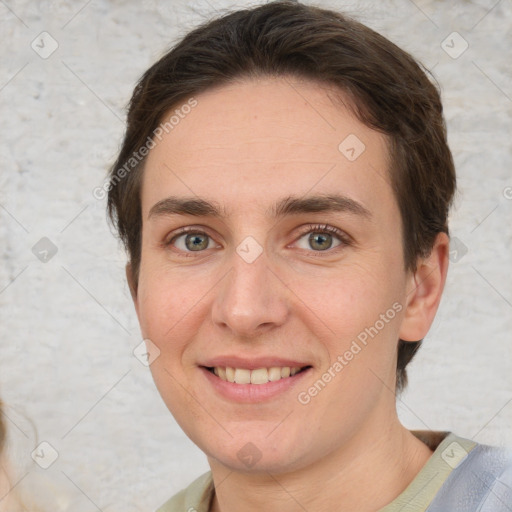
67	373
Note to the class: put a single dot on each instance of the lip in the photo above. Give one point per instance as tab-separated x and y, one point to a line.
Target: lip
252	363
252	393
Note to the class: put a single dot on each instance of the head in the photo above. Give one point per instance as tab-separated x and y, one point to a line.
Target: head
280	117
9	500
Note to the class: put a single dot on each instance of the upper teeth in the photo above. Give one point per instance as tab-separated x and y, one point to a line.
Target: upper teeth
258	376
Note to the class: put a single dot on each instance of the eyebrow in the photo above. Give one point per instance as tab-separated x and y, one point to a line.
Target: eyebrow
289	205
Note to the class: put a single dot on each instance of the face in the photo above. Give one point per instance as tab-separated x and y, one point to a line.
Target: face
296	262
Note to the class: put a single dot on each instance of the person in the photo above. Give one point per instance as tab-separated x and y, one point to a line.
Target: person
282	191
10	499
18	497
4	479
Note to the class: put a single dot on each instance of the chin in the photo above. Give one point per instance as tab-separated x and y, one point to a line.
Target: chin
256	454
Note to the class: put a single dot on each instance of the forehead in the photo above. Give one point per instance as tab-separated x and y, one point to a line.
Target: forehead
255	141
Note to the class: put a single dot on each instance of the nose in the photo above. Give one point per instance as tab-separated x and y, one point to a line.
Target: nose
251	299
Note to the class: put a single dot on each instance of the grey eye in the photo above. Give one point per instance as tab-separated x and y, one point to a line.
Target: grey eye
318	241
193	242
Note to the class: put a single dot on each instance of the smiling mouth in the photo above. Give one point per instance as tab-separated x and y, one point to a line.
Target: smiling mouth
257	376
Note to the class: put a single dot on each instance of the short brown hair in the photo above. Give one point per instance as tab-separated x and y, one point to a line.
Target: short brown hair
390	93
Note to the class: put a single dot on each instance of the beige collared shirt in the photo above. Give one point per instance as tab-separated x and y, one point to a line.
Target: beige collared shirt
448	448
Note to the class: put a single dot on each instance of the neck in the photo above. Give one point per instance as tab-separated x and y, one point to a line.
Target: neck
365	474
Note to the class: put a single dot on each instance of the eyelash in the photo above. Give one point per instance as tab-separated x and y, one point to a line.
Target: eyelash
311	228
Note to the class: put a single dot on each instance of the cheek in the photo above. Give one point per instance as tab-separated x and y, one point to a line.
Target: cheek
358	308
166	305
349	298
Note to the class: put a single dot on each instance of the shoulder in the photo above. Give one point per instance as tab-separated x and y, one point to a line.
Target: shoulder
194	498
481	480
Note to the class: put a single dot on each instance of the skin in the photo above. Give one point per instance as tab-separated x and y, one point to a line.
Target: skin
8	500
246	146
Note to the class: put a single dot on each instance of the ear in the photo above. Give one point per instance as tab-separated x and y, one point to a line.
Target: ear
132	285
424	291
